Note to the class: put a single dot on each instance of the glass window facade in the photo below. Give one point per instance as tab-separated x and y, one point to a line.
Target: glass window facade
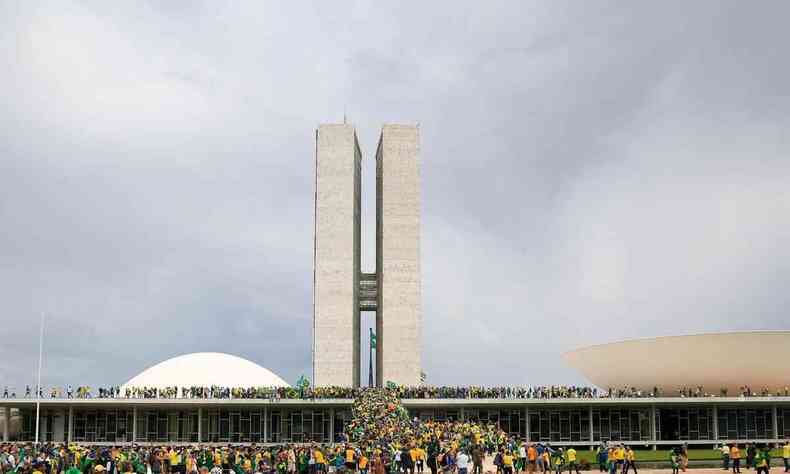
509	420
685	424
102	425
555	424
621	424
167	425
279	424
745	423
783	422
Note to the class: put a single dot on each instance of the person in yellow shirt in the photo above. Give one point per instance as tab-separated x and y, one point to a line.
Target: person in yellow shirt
786	455
630	460
570	458
363	464
421	456
735	457
175	460
351	458
414	453
507	462
619	458
320	461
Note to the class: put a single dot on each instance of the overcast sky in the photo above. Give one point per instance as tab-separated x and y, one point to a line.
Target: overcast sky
592	171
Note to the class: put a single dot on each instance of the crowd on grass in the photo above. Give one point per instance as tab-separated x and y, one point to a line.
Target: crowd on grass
437	452
756	457
380	438
407	392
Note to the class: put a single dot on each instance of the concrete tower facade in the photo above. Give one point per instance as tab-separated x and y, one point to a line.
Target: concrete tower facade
337	256
399	312
341	290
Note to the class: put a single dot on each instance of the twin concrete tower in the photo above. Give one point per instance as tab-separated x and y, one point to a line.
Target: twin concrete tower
341	290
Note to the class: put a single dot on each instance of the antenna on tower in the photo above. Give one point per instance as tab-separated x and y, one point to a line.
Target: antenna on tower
344	115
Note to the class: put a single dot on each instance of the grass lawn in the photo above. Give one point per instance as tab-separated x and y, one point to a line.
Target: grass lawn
662	454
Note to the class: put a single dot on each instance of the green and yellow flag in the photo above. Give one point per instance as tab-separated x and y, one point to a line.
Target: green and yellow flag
372	339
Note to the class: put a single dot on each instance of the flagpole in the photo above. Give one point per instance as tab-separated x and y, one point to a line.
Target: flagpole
370	358
38	387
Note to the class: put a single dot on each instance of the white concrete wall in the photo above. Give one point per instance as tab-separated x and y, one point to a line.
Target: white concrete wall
731	360
399	316
337	253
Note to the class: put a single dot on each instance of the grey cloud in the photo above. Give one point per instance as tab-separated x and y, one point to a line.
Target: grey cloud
590	173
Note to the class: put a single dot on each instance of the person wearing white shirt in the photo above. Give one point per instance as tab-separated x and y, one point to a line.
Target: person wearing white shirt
462	462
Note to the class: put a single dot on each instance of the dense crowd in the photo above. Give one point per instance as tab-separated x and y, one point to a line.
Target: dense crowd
407	392
440	448
380	439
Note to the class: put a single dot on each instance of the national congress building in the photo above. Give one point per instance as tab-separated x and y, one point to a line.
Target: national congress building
343	291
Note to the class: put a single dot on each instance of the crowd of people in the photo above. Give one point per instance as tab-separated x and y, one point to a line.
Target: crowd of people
757	457
435	450
407	392
380	438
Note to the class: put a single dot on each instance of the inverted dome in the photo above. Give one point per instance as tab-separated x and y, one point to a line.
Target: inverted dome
204	369
756	359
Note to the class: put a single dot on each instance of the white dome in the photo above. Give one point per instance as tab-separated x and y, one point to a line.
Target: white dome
204	369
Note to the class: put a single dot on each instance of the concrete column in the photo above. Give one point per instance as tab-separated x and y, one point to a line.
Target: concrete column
653	426
200	425
715	412
134	424
70	424
6	422
265	425
775	422
462	414
592	437
526	423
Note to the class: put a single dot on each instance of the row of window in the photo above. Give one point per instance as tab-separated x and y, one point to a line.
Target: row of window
302	425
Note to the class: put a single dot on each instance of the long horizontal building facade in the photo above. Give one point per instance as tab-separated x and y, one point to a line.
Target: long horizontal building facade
580	422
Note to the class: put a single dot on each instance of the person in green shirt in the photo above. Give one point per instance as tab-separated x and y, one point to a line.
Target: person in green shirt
762	459
73	470
674	459
558	460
